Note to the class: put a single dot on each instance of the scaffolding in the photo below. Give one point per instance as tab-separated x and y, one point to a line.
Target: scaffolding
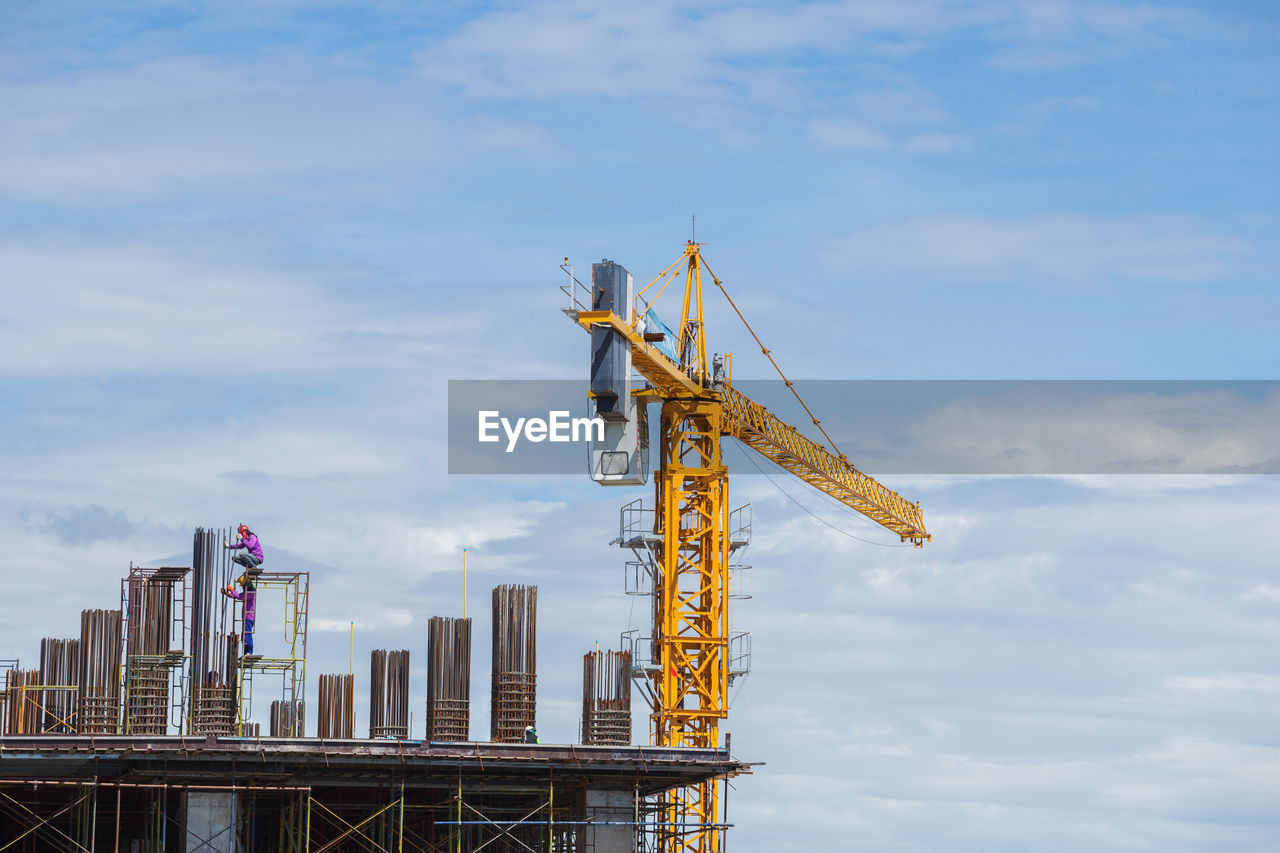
162	794
636	532
155	674
8	666
291	664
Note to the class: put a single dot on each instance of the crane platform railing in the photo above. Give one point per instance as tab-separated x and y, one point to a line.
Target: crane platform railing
646	358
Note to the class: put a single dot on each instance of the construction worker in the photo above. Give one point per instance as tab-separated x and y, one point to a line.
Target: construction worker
530	734
250	599
251	559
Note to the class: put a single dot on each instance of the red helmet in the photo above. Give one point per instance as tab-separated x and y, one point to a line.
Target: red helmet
243	529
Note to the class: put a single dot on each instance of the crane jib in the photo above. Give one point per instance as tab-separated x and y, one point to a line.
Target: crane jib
773	437
760	429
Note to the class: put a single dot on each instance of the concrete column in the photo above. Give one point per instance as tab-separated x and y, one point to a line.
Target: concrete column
211	818
611	807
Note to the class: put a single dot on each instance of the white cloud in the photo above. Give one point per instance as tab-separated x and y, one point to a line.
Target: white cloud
175	306
160	125
326	625
154	126
154	121
574	48
1047	431
936	143
856	135
1153	485
1067	104
1226	683
379	620
1057	34
585	48
1263	592
844	134
1061	247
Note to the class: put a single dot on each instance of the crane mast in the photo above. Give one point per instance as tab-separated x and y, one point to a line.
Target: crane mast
691	636
690	644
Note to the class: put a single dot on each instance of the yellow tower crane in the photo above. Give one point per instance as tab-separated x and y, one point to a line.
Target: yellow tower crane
690	645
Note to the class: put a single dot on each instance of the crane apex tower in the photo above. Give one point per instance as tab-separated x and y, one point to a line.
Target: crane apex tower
622	457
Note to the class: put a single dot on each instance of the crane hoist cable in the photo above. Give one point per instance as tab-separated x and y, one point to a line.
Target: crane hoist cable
750	458
768	355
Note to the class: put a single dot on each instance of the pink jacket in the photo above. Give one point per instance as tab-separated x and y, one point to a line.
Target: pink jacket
251	542
250	599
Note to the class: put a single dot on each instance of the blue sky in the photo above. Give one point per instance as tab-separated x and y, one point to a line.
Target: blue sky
243	247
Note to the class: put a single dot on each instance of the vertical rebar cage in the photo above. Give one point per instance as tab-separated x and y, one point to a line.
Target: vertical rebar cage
336	716
214	644
99	672
21	710
448	679
514	695
606	698
288	719
75	688
389	694
155	606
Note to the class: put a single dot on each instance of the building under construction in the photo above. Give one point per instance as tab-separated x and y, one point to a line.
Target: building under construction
140	735
195	772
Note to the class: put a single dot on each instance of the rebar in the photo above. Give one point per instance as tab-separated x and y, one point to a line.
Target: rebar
150	611
448	679
147	711
214	648
606	698
288	719
99	676
389	694
23	710
213	702
154	608
514	694
336	714
215	710
59	666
